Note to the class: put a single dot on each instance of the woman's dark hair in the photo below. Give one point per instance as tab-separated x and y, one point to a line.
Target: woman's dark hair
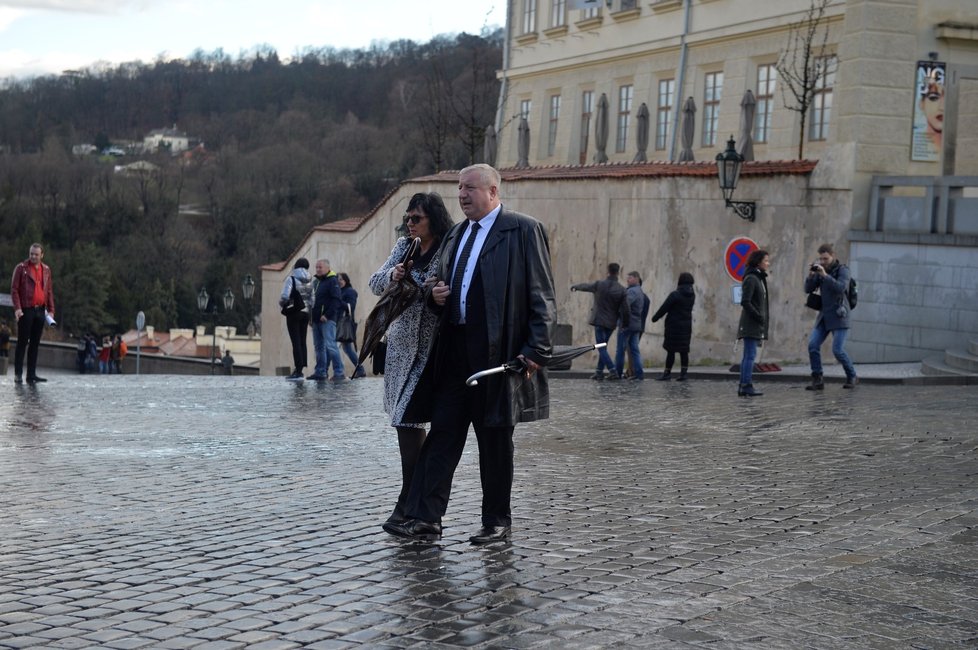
439	221
756	258
301	263
686	278
346	279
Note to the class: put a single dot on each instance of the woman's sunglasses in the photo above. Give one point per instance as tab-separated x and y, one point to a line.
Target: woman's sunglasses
413	219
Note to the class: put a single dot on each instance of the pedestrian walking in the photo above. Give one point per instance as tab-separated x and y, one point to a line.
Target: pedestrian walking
326	310
609	295
33	297
105	356
678	311
296	302
227	362
753	326
4	339
830	278
495	294
631	327
349	297
410	335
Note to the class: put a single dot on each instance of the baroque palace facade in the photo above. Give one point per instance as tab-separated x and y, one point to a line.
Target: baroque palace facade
889	171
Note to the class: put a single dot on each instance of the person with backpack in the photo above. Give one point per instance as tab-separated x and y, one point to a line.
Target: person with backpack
830	278
296	301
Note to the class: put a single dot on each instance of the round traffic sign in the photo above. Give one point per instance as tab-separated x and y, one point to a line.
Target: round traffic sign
140	321
735	257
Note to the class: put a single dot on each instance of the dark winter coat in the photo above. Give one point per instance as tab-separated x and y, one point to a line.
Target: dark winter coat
632	319
329	302
350	296
678	310
608	297
835	304
753	299
520	312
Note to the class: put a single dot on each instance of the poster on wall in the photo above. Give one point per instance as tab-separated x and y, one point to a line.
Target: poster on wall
928	112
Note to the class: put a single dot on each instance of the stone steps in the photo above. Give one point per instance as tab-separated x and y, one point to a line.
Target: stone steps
953	362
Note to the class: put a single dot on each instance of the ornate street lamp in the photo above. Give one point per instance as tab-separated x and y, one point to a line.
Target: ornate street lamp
248	291
728	170
248	287
203	300
228	300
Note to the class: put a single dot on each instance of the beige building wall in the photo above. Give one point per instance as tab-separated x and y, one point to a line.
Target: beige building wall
658	226
661	224
877	45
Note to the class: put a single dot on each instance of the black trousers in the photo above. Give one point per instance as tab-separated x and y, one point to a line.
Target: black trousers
298	325
456	406
29	330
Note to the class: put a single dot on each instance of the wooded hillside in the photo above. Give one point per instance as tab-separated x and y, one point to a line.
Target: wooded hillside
285	145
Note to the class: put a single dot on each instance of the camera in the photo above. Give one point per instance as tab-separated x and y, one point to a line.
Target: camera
813	268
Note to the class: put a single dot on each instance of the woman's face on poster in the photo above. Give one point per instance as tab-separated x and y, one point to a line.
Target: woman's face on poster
932	104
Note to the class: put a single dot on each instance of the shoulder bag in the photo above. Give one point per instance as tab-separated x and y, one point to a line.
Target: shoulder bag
346	329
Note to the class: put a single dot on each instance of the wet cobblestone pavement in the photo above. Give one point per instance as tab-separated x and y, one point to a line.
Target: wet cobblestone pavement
216	512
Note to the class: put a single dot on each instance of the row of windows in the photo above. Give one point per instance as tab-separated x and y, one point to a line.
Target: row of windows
767	77
558	12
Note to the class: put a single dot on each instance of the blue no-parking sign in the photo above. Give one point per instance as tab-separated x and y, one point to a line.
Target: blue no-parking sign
735	257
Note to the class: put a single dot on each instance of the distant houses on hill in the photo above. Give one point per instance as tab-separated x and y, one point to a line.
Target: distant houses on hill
172	140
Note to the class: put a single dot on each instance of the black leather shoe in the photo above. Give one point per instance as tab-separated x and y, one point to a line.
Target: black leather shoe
490	534
35	380
398	516
18	379
425	531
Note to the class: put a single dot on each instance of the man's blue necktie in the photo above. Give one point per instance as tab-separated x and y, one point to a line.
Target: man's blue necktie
455	297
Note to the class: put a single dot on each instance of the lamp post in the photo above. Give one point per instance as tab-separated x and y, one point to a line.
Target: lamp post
203	300
248	291
728	171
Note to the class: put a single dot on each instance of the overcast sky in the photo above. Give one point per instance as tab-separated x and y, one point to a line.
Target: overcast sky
49	36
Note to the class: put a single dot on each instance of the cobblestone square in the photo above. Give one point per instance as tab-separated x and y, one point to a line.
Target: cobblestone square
244	512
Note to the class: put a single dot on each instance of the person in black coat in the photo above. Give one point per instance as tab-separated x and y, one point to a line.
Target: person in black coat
495	295
678	310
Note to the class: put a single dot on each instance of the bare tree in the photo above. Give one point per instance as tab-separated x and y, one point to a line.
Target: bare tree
436	118
803	64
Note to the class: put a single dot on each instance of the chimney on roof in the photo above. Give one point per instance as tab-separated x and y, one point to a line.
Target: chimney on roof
150	330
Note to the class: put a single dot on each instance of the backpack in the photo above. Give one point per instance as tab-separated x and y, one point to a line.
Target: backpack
852	291
295	303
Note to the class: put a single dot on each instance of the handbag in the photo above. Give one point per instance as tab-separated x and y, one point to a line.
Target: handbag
295	303
346	328
814	301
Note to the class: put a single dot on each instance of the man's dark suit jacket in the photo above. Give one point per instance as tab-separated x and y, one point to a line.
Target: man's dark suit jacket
517	314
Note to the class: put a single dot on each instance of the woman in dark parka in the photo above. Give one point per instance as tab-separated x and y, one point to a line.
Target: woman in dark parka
678	310
753	326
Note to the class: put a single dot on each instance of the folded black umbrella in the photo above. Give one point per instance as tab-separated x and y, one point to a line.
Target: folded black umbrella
518	366
397	297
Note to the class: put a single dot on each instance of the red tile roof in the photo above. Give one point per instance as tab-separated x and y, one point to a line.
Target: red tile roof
654	169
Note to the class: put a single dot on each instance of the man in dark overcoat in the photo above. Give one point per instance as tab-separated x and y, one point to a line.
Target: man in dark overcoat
496	297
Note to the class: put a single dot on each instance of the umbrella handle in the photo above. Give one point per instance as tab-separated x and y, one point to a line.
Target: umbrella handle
474	379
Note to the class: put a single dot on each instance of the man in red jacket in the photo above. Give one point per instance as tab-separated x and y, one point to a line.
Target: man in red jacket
32	295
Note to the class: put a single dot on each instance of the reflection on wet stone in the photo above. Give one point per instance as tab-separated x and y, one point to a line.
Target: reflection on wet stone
180	512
